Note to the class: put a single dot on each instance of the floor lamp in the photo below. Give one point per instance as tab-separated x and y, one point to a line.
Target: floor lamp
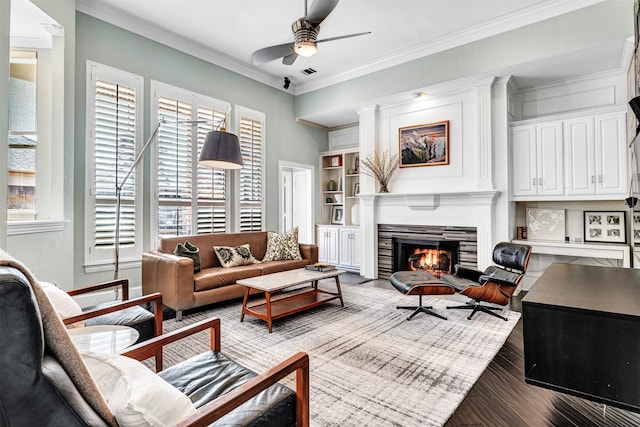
220	150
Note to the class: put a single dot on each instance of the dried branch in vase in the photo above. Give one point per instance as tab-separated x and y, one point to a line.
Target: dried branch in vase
381	169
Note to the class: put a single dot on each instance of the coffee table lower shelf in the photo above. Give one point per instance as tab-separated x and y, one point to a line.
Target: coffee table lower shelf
288	303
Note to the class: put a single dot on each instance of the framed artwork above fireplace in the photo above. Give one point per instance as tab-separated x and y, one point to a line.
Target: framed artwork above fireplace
424	145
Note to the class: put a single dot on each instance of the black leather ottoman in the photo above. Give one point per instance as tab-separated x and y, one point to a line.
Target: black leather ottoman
420	283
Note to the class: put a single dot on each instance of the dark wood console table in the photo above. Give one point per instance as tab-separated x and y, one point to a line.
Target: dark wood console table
581	328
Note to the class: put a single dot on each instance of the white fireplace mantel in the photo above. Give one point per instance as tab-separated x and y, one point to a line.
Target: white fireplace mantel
431	201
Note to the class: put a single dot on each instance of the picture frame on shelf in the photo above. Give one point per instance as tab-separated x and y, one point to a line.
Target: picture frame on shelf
636	228
337	214
605	226
356	164
424	145
356	189
336	161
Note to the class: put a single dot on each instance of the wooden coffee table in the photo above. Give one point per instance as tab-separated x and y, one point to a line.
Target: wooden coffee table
288	303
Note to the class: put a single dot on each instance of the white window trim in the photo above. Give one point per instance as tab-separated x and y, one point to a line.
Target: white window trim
159	89
102	260
239	113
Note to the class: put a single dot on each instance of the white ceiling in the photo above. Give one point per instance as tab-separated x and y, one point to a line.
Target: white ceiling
227	32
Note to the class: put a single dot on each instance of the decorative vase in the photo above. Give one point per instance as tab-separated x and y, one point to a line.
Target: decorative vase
383	187
355	214
331	186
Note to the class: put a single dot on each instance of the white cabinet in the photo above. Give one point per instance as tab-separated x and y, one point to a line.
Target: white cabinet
596	156
537	159
350	247
328	244
576	157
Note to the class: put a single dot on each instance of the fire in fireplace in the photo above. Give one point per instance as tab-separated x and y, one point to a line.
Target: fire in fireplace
434	257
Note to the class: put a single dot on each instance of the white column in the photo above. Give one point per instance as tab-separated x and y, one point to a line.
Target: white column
484	123
5	14
368	225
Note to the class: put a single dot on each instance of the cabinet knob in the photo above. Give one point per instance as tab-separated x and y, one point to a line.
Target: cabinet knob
593	179
533	182
600	179
540	181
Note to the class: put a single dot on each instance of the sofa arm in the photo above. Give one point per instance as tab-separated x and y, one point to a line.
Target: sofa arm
170	275
309	251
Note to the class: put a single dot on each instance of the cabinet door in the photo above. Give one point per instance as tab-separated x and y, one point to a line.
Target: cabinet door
355	248
323	244
550	159
580	168
523	167
345	247
333	242
611	154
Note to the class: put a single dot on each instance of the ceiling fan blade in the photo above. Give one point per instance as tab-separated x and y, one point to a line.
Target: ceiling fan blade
319	10
290	59
330	39
268	54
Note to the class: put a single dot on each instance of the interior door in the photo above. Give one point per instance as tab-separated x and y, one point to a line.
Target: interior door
300	205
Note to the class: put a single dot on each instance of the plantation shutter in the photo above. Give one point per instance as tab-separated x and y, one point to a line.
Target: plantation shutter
211	185
191	198
251	188
174	168
115	129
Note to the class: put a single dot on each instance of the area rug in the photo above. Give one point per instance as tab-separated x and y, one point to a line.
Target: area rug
369	365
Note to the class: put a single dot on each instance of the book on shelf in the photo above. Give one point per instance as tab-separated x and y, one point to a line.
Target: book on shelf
320	266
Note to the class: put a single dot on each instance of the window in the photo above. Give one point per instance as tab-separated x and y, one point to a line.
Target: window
250	125
21	155
190	199
114	134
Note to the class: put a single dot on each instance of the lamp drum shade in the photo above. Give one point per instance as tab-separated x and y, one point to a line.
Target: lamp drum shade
221	150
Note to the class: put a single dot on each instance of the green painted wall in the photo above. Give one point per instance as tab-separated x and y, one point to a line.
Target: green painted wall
110	45
606	21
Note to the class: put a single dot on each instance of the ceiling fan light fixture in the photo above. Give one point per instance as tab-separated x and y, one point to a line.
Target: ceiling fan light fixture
306	49
305	35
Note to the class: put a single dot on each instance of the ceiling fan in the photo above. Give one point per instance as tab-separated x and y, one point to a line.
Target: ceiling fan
305	32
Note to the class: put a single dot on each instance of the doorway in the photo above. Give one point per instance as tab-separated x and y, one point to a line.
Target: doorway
296	199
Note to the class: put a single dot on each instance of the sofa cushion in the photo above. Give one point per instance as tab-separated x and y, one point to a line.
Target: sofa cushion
278	266
282	246
217	277
211	374
234	256
136	395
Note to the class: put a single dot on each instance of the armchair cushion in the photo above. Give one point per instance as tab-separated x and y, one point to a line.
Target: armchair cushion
211	375
135	394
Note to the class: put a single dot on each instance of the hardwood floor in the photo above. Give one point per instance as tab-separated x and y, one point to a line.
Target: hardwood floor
501	397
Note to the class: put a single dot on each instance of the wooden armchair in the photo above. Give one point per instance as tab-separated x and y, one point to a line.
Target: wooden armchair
46	381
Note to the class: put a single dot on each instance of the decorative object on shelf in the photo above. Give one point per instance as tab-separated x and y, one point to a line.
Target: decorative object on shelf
337	215
546	224
424	145
521	233
339	198
328	200
355	214
380	168
336	161
605	226
356	164
356	189
340	184
332	186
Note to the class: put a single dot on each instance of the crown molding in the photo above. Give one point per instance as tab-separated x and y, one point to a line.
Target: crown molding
176	41
500	24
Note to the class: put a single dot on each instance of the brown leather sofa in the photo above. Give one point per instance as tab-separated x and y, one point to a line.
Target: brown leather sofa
181	289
